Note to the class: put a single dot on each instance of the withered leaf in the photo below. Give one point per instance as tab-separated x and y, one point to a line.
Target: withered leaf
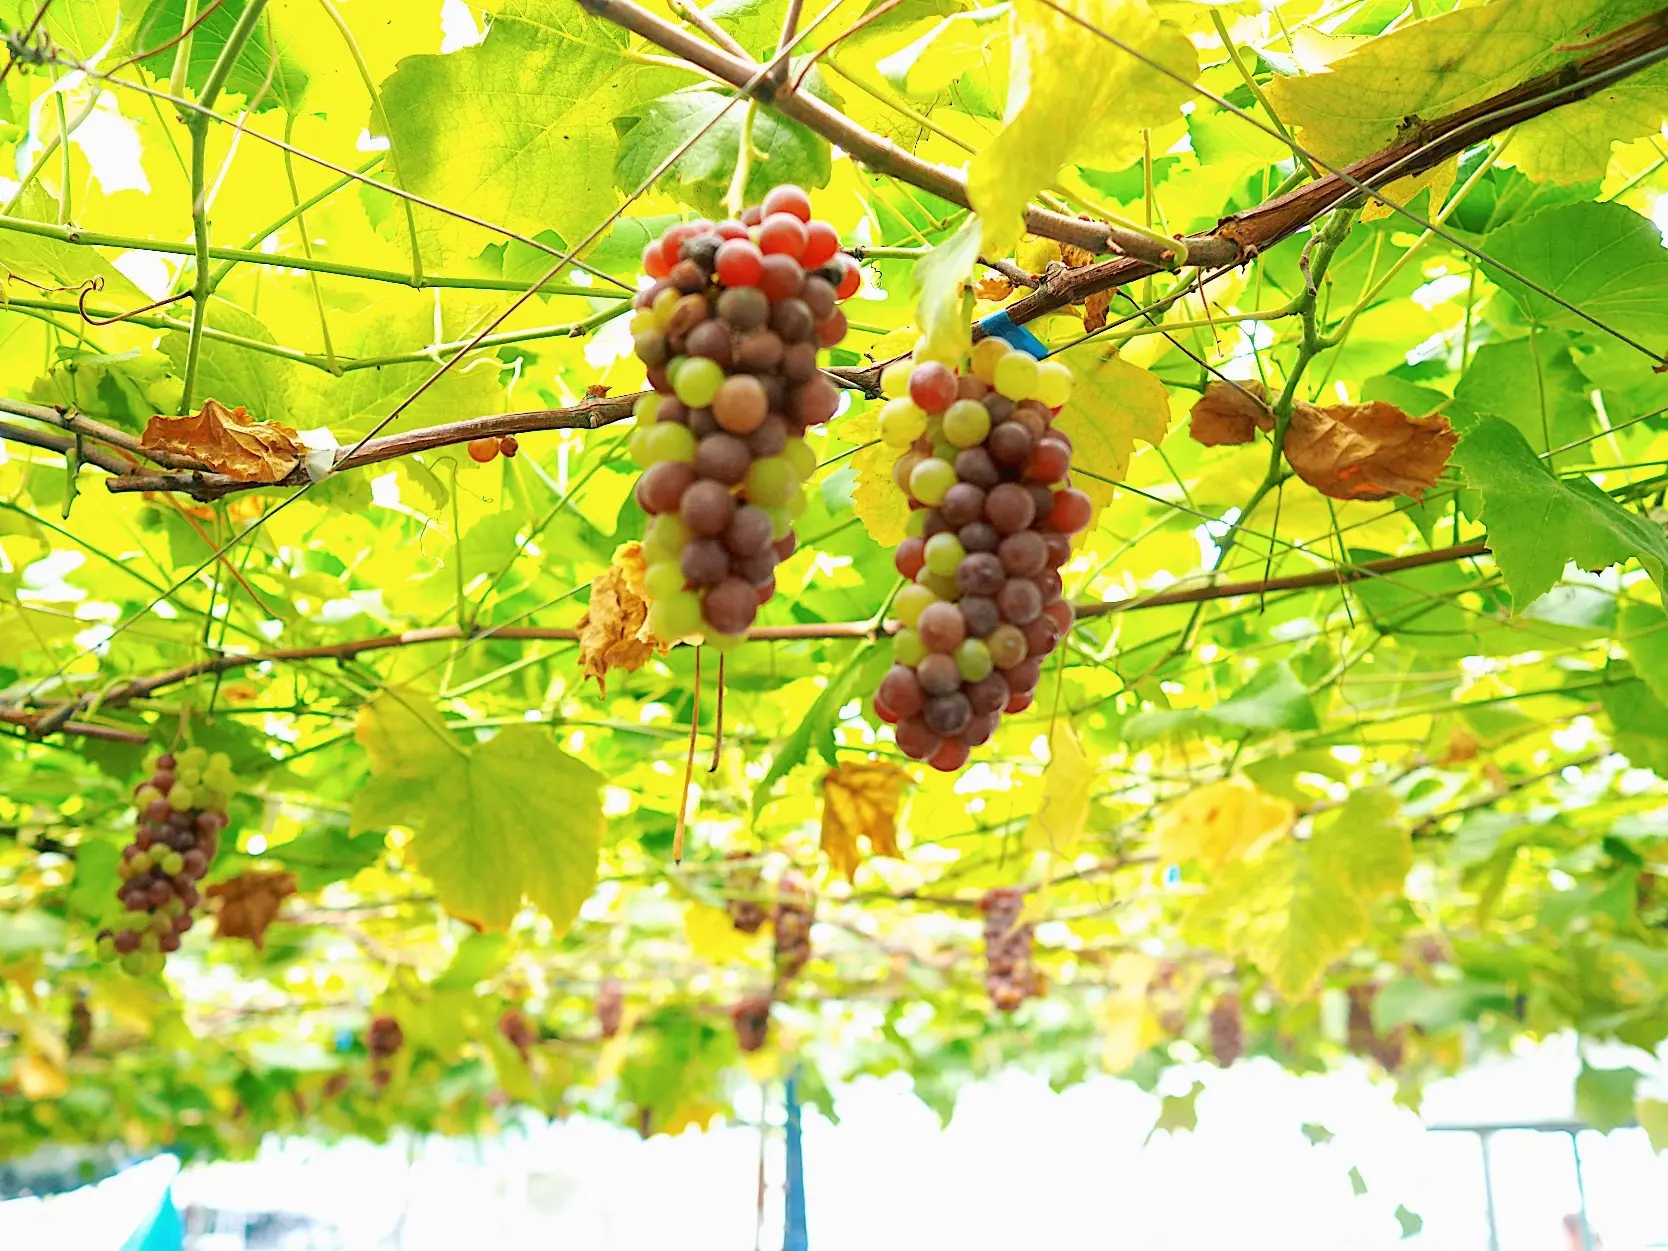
596	390
614	632
1368	451
1094	311
861	800
1230	412
227	441
249	903
1075	256
993	287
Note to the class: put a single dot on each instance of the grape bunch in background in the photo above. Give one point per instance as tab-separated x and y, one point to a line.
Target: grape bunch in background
987	474
1010	976
729	332
182	810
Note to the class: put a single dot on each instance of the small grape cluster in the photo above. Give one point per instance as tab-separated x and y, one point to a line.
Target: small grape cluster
795	910
1010	975
182	810
751	1017
383	1040
747	913
485	449
1227	1028
729	331
610	1006
517	1030
988	479
1364	1038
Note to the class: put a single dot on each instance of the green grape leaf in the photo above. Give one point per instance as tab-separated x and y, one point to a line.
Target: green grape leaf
784	151
936	282
1534	384
1604	1097
1411	1222
1076	99
517	127
1178	1114
1643	630
1538	523
1605	259
1272	700
490	823
1652	1115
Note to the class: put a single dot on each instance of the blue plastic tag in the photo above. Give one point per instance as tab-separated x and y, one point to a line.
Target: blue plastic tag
1000	326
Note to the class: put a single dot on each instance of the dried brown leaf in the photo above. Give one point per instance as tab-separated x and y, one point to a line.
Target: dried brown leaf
249	903
1230	412
597	390
861	801
227	441
993	287
1075	256
1094	311
1368	451
614	632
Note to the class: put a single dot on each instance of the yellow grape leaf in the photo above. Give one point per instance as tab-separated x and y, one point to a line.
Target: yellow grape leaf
1127	1027
713	937
1296	905
1075	99
876	500
860	801
1064	807
39	1077
249	903
1367	98
614	632
696	1114
227	441
1113	404
1219	823
936	282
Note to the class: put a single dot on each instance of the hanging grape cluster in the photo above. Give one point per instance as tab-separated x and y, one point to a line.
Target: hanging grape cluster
751	1017
747	913
729	331
1227	1028
1010	975
383	1040
795	910
988	479
182	810
610	1007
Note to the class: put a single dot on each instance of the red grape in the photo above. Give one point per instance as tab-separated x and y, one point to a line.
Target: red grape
782	278
909	557
1019	600
988	694
731	606
707	507
782	234
1049	461
949	757
947	715
1071	512
662	487
821	243
980	573
787	198
942	627
1009	508
900	690
739	263
932	386
938	674
851	277
1023	554
723	458
705	562
914	739
730	228
832	329
654	261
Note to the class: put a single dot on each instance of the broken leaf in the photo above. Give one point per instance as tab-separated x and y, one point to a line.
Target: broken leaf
1368	451
614	632
1230	412
249	903
227	441
993	287
861	801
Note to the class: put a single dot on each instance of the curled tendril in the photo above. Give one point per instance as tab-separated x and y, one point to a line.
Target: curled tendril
96	283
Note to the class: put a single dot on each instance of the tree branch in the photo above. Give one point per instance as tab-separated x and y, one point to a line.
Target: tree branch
801	632
872	150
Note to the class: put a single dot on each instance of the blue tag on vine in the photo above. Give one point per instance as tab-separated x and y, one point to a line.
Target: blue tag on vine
1000	326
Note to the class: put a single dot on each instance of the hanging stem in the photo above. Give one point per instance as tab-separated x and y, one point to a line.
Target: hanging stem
735	199
688	764
718	719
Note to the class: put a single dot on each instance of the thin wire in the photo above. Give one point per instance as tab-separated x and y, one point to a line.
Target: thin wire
1389	174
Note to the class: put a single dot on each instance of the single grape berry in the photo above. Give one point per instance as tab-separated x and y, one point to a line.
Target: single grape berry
482	450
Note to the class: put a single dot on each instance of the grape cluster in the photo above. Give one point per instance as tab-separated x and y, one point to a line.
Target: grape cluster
1010	976
729	331
182	810
795	910
485	449
1227	1028
1363	1037
610	1007
383	1040
747	913
751	1017
988	479
517	1030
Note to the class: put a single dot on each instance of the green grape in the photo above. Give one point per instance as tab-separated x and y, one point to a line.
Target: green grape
170	863
772	483
1054	382
197	757
966	423
225	782
643	319
161	924
154	962
107	948
901	422
973	660
670	441
1017	376
665	539
797	504
637	447
145	796
798	453
663	305
781	522
915	525
676	616
647	409
697	380
907	647
174	906
986	352
220	762
894	379
944	553
124	869
181	798
941	585
910	602
722	642
663	580
187	774
142	863
209	799
943	449
133	963
931	480
148	943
